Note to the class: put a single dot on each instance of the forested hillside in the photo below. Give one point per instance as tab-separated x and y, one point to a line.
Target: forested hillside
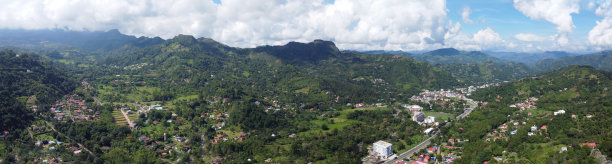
451	55
292	71
600	60
530	58
489	72
26	79
532	107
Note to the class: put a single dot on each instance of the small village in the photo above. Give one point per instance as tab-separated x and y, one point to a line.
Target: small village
447	152
74	108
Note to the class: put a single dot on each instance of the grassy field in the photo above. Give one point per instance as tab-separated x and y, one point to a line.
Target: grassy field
416	140
440	117
337	122
185	98
540	151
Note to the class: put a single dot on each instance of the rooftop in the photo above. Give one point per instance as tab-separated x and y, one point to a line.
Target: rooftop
382	143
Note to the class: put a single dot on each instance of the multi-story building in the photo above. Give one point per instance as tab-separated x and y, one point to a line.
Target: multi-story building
384	149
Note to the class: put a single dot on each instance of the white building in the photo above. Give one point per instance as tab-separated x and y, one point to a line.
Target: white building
157	107
384	149
428	131
429	120
559	112
534	128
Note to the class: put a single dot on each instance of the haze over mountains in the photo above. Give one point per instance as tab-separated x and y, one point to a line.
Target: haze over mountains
113	39
466	66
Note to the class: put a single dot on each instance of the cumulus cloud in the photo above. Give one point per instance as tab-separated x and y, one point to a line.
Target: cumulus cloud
530	37
376	24
485	39
360	25
557	12
601	34
465	14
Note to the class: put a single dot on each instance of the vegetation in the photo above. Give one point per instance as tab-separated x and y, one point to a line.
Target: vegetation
600	60
295	103
488	72
451	55
578	90
27	79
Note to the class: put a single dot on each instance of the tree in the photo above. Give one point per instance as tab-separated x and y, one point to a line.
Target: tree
324	127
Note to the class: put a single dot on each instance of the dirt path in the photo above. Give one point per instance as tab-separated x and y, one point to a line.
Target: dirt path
127	119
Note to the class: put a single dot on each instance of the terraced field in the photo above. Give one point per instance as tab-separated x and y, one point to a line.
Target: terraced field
119	119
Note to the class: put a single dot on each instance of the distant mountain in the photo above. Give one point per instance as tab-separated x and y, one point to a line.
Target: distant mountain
600	60
387	52
451	55
301	53
530	58
61	39
489	72
293	68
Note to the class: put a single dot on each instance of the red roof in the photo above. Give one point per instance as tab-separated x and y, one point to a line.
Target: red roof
591	144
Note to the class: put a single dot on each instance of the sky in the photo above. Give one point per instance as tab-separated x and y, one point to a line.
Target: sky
408	25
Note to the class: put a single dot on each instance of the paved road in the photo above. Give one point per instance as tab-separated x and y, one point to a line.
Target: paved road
465	113
415	149
424	144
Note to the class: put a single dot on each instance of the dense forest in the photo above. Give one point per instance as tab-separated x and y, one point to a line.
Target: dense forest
27	79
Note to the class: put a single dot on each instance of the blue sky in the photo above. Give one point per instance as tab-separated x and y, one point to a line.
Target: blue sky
408	25
501	16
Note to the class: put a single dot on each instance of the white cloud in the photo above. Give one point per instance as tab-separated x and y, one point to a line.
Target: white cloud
465	14
378	24
365	24
487	36
531	37
601	35
485	39
557	12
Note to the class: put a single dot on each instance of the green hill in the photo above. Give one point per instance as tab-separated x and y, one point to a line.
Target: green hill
530	58
489	72
304	68
581	91
23	77
451	55
600	60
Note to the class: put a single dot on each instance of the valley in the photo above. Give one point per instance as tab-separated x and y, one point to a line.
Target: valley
196	100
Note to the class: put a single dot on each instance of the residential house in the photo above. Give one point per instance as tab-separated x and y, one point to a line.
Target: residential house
559	112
